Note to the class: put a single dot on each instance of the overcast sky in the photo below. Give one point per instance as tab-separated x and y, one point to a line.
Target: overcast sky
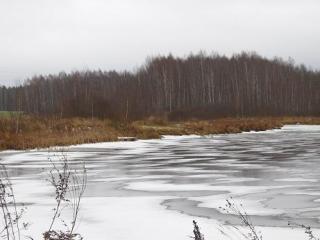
49	36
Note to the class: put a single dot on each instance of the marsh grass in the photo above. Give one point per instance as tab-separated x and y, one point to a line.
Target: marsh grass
27	132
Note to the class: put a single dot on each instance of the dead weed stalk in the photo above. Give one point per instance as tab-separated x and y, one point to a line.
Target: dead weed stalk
69	184
10	228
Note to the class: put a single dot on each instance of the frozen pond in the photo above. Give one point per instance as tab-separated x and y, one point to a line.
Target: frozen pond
153	189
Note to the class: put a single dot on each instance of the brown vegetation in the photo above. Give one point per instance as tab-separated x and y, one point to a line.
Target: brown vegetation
25	132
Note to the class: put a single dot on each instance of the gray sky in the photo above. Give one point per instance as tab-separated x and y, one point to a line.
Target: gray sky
49	36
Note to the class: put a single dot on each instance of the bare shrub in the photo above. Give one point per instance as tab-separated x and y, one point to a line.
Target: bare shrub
69	185
10	228
238	210
307	230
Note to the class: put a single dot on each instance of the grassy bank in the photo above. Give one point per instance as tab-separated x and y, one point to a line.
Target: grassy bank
26	132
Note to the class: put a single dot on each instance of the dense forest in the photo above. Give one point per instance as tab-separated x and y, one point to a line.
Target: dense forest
199	86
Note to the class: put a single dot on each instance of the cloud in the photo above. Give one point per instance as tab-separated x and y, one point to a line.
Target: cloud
48	36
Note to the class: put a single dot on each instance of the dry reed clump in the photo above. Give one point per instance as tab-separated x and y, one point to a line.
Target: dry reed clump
221	126
156	120
45	132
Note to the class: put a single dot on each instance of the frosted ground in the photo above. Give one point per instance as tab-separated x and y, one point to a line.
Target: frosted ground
153	189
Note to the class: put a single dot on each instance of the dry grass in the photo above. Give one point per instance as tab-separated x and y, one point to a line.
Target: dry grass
25	132
44	132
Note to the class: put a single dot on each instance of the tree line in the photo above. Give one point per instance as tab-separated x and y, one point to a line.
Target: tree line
200	86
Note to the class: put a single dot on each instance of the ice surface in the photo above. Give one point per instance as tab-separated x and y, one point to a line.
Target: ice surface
153	189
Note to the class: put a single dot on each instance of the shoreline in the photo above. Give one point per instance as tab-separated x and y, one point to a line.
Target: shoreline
35	133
